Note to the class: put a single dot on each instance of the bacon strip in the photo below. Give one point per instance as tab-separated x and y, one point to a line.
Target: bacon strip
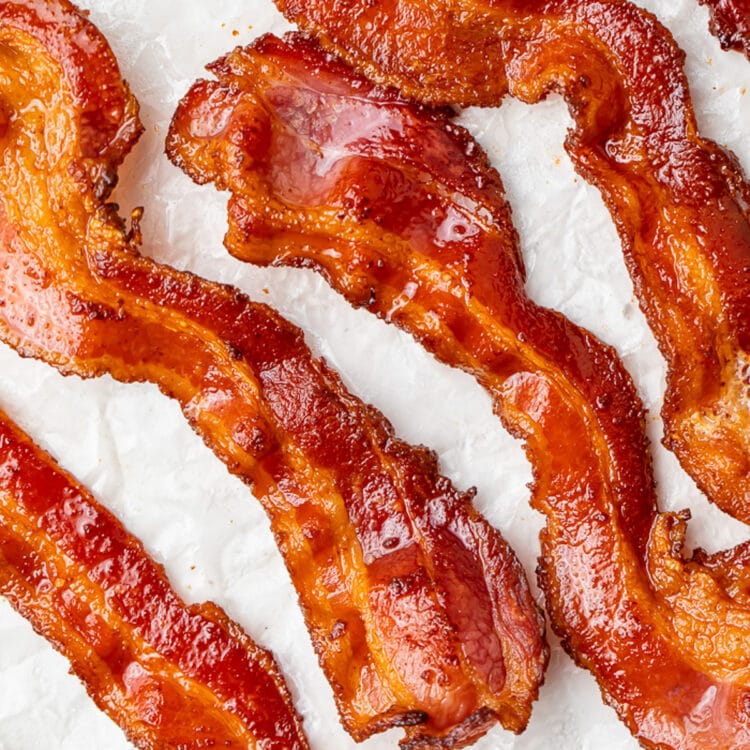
398	208
679	202
169	674
419	611
730	23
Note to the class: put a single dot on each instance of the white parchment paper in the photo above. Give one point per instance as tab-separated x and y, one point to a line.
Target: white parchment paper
132	447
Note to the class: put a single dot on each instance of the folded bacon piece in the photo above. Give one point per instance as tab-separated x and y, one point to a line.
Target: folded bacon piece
169	674
398	208
419	611
730	23
679	202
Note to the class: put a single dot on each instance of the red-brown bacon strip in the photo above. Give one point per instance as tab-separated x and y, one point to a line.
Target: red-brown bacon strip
400	211
169	674
678	201
419	611
730	23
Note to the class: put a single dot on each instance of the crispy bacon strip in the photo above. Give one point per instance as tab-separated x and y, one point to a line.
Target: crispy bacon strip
400	211
169	674
679	202
730	23
419	611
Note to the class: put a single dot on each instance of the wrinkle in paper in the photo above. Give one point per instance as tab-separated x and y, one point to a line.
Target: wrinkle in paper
134	449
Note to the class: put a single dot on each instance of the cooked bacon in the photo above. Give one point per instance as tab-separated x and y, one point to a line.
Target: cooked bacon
398	208
169	674
730	23
679	202
419	611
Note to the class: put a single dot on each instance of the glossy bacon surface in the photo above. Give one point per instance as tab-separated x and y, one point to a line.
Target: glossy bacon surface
399	210
419	611
678	201
169	674
730	23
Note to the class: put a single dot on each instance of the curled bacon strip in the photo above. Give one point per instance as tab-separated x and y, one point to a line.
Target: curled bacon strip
419	611
730	23
169	674
400	211
678	201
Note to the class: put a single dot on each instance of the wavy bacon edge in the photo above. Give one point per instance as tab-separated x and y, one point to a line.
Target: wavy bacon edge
678	201
419	611
170	675
730	23
400	211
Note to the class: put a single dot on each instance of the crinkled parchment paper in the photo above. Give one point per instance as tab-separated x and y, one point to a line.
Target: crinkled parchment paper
134	449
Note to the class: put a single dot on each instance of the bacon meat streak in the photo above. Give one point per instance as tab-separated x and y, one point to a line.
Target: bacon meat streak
679	202
420	613
400	211
730	23
169	674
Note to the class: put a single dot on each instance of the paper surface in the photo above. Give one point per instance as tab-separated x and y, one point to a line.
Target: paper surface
133	448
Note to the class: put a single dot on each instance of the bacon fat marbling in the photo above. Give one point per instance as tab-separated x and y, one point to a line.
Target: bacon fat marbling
169	674
398	208
419	611
678	201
